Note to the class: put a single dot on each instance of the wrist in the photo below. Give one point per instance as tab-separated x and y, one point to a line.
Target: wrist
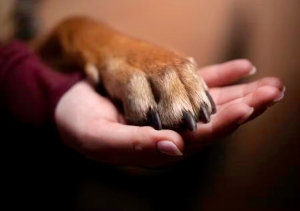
29	89
70	100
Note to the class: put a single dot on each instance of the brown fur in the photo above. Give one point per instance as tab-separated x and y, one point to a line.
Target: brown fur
141	75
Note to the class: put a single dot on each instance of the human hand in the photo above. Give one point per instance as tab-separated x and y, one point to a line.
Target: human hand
236	104
91	124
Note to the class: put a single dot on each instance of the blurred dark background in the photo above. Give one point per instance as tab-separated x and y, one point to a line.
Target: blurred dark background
257	167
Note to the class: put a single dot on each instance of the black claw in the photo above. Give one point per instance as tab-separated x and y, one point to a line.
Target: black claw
189	121
204	114
154	120
212	103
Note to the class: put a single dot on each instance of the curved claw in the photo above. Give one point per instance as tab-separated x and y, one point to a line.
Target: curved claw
154	120
189	121
212	103
204	114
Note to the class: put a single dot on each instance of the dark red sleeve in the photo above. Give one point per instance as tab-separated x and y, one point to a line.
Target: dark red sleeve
30	90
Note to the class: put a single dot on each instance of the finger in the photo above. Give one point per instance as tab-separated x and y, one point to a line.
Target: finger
226	73
223	123
227	94
130	145
263	97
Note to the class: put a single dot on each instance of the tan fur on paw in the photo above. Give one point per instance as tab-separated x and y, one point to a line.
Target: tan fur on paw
156	86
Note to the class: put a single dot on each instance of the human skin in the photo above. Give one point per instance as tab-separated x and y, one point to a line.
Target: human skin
92	125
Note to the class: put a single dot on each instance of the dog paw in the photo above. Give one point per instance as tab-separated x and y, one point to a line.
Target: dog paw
155	86
160	89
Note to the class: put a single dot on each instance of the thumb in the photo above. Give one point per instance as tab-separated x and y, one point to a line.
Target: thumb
131	145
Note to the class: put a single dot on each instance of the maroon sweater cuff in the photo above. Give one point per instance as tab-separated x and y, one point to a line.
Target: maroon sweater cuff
29	89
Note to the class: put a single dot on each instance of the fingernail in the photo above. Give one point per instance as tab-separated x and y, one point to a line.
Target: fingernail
168	148
281	96
283	90
253	71
245	117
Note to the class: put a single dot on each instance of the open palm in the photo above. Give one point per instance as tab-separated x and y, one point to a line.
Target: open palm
92	125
